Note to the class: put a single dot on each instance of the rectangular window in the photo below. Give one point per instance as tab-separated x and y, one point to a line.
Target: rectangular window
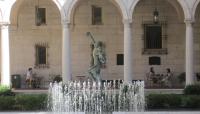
153	37
41	55
96	15
40	14
120	59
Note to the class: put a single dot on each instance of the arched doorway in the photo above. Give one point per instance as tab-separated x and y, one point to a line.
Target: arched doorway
109	30
167	45
33	44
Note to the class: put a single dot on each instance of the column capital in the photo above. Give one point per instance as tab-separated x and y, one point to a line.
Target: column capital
189	21
127	21
65	23
4	25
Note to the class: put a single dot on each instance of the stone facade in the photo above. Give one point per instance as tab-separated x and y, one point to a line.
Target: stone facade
197	40
24	35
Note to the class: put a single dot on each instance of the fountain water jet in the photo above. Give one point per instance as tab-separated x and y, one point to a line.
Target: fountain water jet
96	97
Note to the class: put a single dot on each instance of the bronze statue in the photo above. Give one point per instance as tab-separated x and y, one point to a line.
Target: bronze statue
98	58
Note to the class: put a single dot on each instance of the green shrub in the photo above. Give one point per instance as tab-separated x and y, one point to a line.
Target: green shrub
163	101
192	90
5	91
181	77
7	102
191	101
154	104
174	100
31	102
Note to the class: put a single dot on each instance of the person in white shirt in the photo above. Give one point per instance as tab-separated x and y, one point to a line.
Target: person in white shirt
29	77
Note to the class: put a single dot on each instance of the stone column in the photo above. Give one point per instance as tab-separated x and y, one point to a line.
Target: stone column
128	52
5	55
189	53
66	53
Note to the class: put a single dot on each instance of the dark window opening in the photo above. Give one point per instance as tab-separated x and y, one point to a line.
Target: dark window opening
96	15
154	61
153	37
120	59
40	16
41	55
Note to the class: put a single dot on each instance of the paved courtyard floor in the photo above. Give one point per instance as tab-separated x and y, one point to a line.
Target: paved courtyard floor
151	112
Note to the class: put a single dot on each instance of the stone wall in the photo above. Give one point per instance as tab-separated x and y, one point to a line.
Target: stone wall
26	34
197	40
110	32
175	40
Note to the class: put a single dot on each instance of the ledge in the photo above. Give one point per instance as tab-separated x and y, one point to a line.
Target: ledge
162	51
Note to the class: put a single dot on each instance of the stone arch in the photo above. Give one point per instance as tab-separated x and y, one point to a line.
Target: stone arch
133	7
60	7
15	10
185	8
174	3
177	6
143	15
196	6
72	5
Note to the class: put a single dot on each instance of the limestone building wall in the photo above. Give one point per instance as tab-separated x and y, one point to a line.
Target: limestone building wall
197	40
25	35
110	33
175	39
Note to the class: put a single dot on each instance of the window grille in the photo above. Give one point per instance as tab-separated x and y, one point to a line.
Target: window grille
41	58
155	38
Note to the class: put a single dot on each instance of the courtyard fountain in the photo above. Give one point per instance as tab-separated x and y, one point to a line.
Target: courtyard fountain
95	97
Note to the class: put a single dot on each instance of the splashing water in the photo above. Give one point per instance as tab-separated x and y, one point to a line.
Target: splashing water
96	97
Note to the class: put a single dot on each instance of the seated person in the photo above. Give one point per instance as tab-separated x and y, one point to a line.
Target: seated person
166	78
151	74
29	77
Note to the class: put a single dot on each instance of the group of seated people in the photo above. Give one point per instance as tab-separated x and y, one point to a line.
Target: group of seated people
163	79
